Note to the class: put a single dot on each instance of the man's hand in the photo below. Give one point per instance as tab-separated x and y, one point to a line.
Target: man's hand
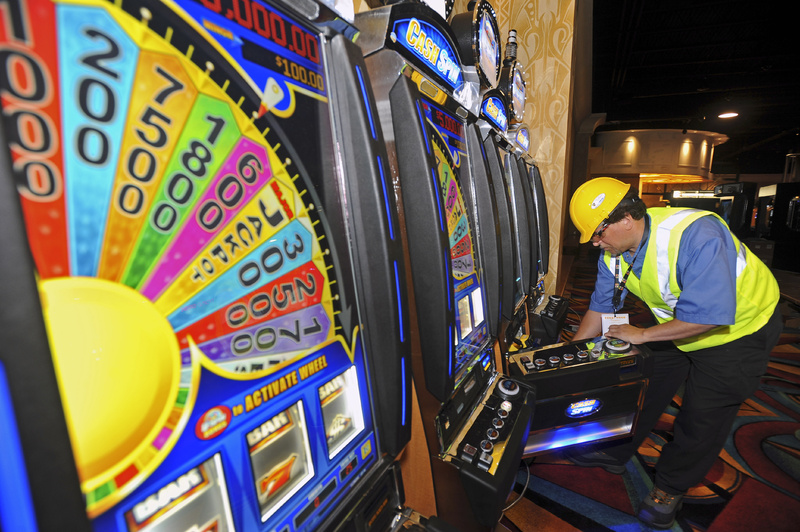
627	332
670	330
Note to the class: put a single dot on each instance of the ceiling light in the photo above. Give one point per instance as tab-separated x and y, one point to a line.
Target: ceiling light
728	114
670	179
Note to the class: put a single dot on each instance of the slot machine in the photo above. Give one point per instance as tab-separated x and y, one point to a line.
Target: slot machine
205	324
503	153
492	124
474	418
546	313
542	220
519	149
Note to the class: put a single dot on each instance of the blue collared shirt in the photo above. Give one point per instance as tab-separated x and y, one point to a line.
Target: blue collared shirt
706	274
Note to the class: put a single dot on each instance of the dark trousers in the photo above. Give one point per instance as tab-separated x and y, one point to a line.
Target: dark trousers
718	380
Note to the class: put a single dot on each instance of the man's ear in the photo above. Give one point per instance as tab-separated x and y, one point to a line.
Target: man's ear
627	221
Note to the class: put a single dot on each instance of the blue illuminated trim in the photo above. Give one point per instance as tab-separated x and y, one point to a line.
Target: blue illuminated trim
574	434
448	265
438	199
366	102
450	354
16	506
399	304
386	199
403	371
424	129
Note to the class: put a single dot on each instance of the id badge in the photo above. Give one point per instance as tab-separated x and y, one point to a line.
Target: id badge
608	320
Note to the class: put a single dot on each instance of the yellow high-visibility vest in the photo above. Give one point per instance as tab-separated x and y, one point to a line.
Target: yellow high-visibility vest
757	290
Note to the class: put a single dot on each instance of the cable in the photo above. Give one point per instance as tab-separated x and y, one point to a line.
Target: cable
524	489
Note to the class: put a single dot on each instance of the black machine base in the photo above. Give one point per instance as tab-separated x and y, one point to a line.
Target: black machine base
585	391
488	449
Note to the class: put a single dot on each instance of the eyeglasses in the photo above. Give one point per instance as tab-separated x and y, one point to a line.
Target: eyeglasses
599	233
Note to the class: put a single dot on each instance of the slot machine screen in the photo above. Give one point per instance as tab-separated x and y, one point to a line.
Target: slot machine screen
280	454
199	501
447	138
340	401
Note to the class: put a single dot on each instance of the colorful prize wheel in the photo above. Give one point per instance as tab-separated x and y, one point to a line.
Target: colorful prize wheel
471	328
170	199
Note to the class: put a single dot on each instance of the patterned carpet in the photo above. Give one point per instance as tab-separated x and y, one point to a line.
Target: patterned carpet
754	485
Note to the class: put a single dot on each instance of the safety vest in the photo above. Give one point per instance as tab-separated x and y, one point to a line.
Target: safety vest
757	290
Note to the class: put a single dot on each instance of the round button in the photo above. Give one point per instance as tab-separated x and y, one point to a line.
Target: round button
508	387
554	361
498	423
569	358
583	356
502	414
486	446
492	434
539	363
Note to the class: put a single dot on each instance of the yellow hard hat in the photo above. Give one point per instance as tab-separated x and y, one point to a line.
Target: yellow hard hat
593	202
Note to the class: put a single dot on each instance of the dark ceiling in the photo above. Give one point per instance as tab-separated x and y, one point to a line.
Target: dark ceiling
677	64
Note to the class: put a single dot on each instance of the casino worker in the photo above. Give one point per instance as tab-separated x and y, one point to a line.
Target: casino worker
716	308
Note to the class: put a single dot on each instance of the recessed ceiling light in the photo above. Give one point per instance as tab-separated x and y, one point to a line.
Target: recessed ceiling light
730	114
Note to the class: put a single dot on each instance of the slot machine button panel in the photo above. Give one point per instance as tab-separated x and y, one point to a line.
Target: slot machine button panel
492	424
468	453
485	461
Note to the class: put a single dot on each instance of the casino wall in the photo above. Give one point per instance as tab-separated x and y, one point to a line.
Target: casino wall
545	31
